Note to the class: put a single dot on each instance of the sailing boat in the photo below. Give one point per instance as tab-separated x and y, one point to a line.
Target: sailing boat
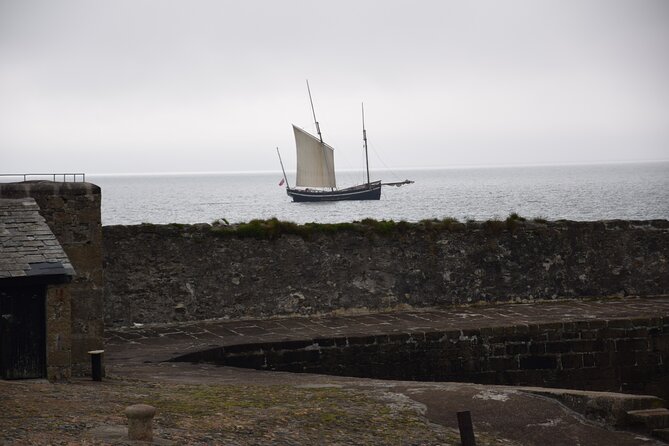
315	178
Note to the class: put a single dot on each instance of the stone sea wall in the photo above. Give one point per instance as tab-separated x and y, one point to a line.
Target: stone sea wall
623	355
164	273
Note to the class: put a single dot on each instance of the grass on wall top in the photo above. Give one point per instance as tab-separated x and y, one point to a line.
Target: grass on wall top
273	228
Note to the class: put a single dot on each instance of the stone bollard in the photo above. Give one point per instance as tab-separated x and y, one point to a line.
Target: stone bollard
139	421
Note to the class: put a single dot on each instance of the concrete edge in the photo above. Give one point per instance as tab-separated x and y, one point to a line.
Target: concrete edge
606	407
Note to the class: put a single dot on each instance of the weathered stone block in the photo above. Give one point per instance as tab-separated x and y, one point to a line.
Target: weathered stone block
554	335
571	361
553	326
589	334
59	358
537	348
588	360
558	347
364	340
538	362
622	359
603	359
660	342
586	346
526	377
637	332
612	333
325	342
597	324
502	364
621	323
497	349
58	373
630	345
516	348
486	332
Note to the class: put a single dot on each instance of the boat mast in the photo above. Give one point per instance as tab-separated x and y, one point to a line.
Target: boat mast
364	138
318	127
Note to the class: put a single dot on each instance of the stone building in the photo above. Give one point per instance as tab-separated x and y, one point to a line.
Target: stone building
35	325
72	212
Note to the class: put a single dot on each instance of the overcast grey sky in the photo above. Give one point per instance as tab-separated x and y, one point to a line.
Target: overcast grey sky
174	86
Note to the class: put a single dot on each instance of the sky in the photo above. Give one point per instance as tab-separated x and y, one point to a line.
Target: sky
129	86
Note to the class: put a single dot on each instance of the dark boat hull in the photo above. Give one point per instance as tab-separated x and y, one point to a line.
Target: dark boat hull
371	191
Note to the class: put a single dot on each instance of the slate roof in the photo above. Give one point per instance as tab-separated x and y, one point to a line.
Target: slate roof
27	245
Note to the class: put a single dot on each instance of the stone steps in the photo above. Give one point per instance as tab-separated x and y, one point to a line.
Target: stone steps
662	434
607	407
640	413
654	421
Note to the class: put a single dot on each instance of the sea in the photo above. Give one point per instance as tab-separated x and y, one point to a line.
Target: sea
638	191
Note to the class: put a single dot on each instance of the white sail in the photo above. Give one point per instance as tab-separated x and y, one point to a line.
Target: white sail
315	161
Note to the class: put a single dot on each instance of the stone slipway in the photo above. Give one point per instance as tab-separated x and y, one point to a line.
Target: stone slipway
528	417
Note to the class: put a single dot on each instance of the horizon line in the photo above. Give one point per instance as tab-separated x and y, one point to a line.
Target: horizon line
386	169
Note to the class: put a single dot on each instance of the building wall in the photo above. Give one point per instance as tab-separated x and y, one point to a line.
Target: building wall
72	211
58	332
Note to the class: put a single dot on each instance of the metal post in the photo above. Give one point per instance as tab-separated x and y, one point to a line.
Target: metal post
96	364
466	429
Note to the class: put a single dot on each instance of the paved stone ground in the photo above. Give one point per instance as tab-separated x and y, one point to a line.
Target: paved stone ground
502	415
161	342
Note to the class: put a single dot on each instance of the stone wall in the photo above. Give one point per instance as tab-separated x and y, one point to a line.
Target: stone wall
616	355
58	332
72	211
175	272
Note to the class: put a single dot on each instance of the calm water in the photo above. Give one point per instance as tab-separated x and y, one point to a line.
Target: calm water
588	192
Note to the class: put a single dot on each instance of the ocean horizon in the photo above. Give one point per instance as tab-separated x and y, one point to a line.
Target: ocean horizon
378	169
636	191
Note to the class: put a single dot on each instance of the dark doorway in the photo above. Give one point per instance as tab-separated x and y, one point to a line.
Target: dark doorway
22	332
